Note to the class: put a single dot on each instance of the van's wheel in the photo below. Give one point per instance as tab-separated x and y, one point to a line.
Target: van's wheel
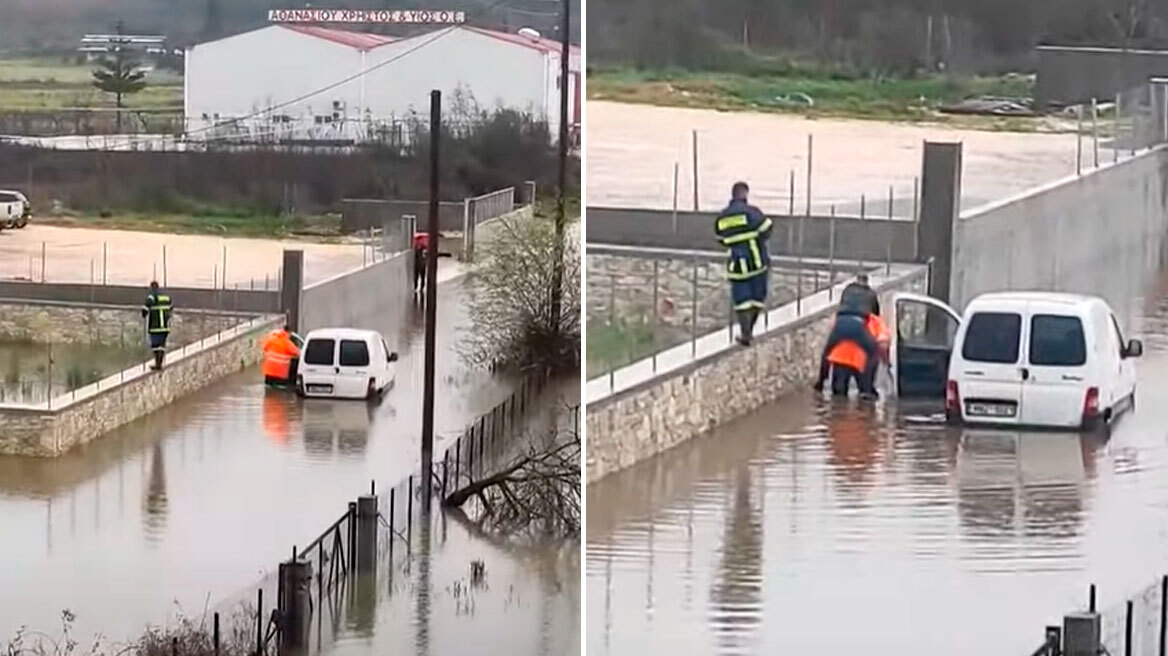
371	393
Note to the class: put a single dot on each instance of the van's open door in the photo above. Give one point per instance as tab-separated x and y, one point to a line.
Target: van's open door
923	330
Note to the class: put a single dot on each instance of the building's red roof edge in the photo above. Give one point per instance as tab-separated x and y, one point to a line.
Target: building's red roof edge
541	44
358	40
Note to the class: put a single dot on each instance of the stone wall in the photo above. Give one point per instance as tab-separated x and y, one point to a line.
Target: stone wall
50	433
649	418
49	322
620	289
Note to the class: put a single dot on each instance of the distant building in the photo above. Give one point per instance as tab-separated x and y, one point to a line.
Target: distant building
262	84
148	47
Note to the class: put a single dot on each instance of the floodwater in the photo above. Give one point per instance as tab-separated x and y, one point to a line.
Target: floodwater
632	150
191	504
25	368
525	602
815	526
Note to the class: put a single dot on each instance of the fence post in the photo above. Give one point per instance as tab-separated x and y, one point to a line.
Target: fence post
43	253
693	317
888	253
295	604
410	508
215	634
695	170
352	535
1081	634
831	255
1127	629
445	468
104	261
260	621
1079	140
656	264
367	533
457	460
1163	609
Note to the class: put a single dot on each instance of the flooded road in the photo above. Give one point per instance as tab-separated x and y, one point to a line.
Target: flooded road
526	601
821	527
191	504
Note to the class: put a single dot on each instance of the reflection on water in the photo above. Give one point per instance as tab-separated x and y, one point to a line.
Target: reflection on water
434	601
27	367
155	516
823	526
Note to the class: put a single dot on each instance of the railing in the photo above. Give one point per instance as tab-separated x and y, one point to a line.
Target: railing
130	374
336	554
1136	626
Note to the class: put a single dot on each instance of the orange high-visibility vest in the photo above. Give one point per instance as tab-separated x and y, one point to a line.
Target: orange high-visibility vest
278	353
849	354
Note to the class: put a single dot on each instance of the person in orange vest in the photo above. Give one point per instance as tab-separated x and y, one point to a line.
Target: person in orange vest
280	357
847	360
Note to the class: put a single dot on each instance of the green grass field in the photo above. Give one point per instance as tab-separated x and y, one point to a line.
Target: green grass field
885	99
227	224
48	83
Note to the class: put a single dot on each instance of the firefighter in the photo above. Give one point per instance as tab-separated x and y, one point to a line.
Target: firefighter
156	310
743	231
280	357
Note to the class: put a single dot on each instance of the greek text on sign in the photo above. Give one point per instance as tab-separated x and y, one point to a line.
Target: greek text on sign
365	16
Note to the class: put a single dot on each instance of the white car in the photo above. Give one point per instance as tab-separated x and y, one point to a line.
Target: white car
15	210
343	363
1016	358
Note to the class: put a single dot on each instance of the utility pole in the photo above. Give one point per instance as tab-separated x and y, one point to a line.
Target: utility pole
558	271
431	303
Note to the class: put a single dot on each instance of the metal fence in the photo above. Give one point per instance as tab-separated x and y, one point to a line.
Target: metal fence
262	614
1110	130
53	384
642	306
125	263
1136	626
479	210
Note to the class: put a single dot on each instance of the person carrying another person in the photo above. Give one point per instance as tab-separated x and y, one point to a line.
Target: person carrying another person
858	302
156	310
280	357
848	361
743	231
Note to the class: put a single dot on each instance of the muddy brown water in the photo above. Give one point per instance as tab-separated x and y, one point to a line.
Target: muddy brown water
829	527
191	504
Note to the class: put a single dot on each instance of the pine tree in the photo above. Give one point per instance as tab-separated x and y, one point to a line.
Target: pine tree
119	75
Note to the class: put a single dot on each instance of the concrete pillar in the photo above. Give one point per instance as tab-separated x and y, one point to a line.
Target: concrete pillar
367	533
292	287
1081	634
295	603
940	207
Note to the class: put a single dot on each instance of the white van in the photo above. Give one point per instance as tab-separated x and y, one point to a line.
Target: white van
15	210
343	363
1016	358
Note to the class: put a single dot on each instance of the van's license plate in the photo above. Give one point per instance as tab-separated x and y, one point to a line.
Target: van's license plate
320	389
991	409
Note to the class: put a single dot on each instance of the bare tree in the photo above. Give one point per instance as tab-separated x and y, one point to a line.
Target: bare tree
535	493
510	304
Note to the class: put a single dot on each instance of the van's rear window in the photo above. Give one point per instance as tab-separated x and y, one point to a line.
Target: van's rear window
992	337
320	351
354	353
1057	341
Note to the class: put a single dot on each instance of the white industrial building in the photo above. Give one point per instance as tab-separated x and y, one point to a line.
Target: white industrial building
268	82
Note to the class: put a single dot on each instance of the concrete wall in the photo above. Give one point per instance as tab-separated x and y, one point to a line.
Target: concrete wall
662	412
243	300
47	322
356	298
1102	233
118	400
867	239
1070	75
